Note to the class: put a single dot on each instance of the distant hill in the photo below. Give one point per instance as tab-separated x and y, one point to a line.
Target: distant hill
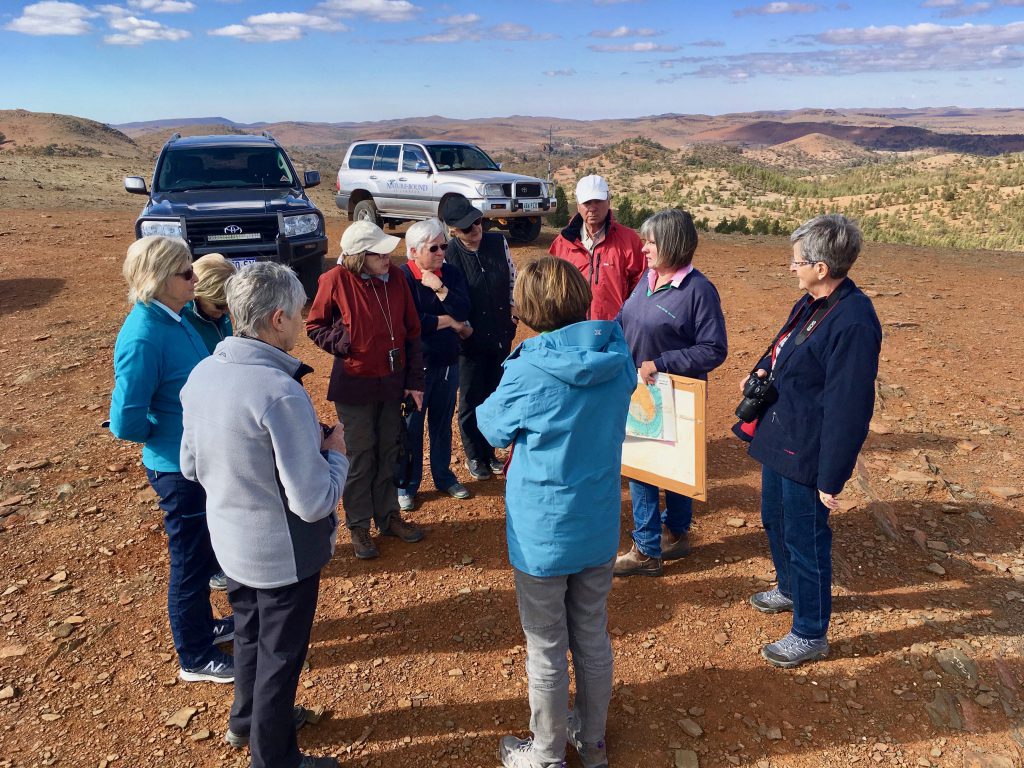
174	122
46	133
812	150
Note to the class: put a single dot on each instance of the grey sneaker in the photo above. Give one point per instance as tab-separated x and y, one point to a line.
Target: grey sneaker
241	740
220	668
497	466
518	753
478	469
219	582
223	630
406	502
591	755
771	601
792	651
457	491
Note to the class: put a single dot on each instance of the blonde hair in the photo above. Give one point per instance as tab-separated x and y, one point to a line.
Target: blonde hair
354	262
151	261
213	270
550	294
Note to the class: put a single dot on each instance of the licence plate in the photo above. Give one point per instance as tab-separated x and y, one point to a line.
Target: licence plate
531	206
242	262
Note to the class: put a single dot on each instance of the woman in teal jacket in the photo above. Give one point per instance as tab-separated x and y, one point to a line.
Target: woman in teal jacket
153	356
562	405
208	311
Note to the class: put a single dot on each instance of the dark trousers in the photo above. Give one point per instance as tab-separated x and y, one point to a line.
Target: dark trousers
192	563
801	543
272	629
371	436
442	385
478	378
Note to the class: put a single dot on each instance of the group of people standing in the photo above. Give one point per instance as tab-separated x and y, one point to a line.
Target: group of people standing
249	480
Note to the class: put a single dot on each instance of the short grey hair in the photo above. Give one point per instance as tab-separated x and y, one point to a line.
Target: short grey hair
833	239
258	290
151	262
423	232
674	233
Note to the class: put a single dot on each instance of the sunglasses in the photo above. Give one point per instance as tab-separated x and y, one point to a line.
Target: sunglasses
471	227
435	248
221	307
188	274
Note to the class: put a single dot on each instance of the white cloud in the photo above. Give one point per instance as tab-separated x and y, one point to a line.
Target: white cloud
625	32
162	6
459	19
517	32
472	32
258	33
634	48
278	27
772	9
134	31
293	19
560	72
378	10
52	18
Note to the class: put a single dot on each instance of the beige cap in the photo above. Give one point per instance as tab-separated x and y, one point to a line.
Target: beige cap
363	236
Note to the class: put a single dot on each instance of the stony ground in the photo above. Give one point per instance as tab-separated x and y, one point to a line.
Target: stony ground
417	658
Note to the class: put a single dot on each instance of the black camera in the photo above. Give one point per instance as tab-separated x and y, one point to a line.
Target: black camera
395	359
758	394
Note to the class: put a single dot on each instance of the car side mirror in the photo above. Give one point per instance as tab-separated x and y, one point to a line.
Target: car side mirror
136	185
499	166
421	166
310	179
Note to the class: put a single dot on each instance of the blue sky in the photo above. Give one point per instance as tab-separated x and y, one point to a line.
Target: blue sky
343	60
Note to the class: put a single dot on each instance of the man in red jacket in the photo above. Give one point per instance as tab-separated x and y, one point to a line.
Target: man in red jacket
605	252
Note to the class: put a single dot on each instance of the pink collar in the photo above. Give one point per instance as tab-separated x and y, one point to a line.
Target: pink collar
677	278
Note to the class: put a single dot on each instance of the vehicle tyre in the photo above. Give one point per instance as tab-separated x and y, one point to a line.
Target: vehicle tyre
524	230
309	271
366	210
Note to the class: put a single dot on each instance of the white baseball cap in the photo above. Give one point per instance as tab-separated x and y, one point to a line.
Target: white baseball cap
362	236
591	188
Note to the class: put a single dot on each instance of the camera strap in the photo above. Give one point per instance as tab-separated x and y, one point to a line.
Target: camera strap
812	322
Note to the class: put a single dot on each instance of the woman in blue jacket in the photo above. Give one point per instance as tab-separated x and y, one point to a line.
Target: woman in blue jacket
562	405
153	356
822	365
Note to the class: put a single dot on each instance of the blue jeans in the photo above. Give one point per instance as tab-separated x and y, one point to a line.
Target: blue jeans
801	543
562	614
442	385
192	564
648	519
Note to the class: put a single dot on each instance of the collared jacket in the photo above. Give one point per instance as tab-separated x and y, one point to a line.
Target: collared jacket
153	356
826	389
612	271
252	440
489	277
354	319
440	347
212	331
562	405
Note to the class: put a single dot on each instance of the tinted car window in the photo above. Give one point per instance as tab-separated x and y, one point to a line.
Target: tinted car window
461	157
362	156
387	157
220	167
411	155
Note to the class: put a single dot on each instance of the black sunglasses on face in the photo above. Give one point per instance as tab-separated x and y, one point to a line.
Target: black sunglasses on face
471	227
221	307
188	274
435	248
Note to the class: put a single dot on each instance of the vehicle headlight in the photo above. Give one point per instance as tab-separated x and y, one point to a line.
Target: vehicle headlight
301	225
161	228
490	190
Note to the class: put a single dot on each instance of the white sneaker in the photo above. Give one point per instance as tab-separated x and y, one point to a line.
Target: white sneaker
518	753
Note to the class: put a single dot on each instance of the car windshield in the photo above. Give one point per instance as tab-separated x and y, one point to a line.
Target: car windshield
460	157
219	167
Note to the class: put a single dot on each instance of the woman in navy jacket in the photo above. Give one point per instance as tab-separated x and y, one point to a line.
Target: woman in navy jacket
823	365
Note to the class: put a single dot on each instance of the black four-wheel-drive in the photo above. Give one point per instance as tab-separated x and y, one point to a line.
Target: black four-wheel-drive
235	195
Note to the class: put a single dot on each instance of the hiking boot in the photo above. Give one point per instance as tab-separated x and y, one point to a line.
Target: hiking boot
771	601
518	753
674	547
792	651
497	466
591	755
406	502
362	544
223	630
457	491
219	582
240	740
308	761
219	668
407	532
636	563
478	469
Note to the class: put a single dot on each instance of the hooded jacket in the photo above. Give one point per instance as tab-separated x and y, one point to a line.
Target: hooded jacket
562	404
252	439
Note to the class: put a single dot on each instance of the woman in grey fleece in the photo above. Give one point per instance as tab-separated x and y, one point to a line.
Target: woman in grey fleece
273	480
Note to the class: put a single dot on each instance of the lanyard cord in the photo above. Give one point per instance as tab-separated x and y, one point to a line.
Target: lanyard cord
387	315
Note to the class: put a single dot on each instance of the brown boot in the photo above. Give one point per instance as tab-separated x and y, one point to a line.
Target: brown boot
363	545
407	532
636	563
674	547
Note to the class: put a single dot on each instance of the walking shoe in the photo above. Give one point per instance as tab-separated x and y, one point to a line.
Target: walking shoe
478	469
219	582
407	532
362	544
497	466
792	651
308	761
518	753
220	668
591	755
674	547
636	563
240	740
223	630
771	601
457	491
406	503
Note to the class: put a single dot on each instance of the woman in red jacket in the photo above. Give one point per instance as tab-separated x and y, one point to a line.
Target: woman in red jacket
364	315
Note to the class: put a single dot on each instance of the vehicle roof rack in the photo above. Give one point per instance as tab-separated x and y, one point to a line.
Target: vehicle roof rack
267	135
174	137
